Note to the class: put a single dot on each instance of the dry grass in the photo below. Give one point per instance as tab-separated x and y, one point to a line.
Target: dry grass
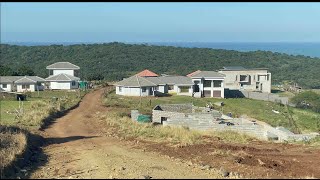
12	144
174	135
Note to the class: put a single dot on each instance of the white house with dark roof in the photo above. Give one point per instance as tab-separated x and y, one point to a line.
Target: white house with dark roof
22	83
207	84
63	75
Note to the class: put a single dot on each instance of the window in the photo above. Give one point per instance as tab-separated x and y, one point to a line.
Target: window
170	87
207	83
184	89
236	77
243	77
157	88
217	83
144	89
73	83
25	86
4	85
268	77
120	88
257	85
50	72
254	77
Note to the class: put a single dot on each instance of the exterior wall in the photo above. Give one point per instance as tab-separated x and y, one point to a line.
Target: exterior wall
66	71
260	78
202	88
31	88
133	91
60	85
189	93
157	114
9	87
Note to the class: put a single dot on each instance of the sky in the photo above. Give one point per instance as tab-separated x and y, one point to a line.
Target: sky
160	22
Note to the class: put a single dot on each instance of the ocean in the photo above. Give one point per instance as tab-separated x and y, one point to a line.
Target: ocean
305	48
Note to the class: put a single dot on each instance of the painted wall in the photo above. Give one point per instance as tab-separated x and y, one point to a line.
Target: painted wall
63	85
132	91
8	88
66	71
259	80
21	89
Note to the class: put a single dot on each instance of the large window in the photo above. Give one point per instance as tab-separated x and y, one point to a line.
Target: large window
216	83
50	72
170	87
243	77
207	83
4	85
73	83
184	89
144	89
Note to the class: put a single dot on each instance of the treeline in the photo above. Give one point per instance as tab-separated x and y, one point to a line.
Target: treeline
114	61
20	71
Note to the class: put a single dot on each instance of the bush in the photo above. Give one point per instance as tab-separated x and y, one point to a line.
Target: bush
307	100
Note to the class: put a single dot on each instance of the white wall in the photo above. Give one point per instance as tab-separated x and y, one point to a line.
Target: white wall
133	91
9	87
31	88
63	85
202	88
66	71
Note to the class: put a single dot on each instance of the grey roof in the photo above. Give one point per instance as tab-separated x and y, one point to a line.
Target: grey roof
234	68
240	68
25	80
175	80
207	74
63	65
136	81
20	79
62	77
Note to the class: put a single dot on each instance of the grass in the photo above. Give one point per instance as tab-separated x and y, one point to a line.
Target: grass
306	121
36	108
12	145
125	127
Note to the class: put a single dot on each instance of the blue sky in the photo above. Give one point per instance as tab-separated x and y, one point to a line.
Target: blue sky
160	22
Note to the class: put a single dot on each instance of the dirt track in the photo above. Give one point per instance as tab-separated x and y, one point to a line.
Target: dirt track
77	147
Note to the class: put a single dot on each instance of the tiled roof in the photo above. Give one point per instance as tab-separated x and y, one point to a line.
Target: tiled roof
147	73
62	65
20	79
62	77
207	74
136	81
197	71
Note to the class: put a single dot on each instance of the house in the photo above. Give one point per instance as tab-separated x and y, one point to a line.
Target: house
63	81
207	83
249	79
22	83
150	84
63	75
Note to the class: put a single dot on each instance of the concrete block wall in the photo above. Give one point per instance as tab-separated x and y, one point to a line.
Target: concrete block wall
156	115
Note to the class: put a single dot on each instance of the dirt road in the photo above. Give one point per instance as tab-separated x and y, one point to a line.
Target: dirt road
76	148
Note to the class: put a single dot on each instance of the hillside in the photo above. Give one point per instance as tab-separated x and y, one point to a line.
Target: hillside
113	61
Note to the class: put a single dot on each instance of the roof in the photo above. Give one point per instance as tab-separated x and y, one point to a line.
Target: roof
20	79
62	65
240	68
197	71
207	74
25	80
147	73
135	81
174	80
62	77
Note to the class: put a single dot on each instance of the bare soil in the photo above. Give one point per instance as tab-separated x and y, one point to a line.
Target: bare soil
77	146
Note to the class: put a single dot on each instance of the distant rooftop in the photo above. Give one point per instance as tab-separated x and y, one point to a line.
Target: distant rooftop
240	68
63	65
206	74
147	73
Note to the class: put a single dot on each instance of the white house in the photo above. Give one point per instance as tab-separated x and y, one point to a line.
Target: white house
63	75
63	81
22	83
208	83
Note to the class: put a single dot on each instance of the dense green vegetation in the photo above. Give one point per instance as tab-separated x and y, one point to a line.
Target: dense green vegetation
113	61
307	100
297	120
